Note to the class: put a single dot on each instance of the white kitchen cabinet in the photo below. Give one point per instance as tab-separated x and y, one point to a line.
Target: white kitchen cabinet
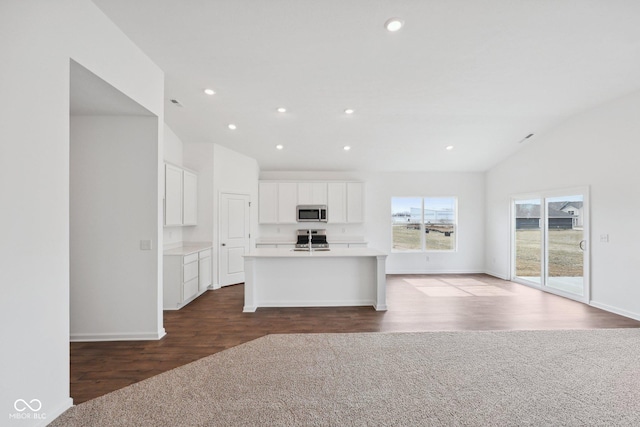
172	195
337	202
312	193
204	270
287	202
277	202
180	196
268	203
345	202
355	202
190	198
186	275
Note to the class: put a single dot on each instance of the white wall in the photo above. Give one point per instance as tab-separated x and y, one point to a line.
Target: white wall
173	153
37	40
113	182
380	188
599	148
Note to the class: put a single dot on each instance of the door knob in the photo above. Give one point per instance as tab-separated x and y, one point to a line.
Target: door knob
583	244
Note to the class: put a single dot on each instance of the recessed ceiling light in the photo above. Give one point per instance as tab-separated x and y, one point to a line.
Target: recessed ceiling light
449	147
282	110
347	148
393	24
279	146
232	126
349	111
209	91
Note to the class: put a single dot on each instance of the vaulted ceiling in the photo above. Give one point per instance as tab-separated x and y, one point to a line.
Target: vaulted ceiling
477	75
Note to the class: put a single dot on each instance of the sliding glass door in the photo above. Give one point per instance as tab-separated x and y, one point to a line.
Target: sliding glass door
550	239
566	245
528	240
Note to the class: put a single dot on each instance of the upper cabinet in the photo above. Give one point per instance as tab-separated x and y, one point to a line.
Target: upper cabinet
312	193
355	202
278	201
180	196
345	202
190	198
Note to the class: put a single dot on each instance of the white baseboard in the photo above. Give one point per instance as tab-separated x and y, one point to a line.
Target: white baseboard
128	336
498	275
615	310
432	271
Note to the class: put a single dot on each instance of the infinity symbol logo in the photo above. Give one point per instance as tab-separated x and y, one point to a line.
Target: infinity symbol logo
22	405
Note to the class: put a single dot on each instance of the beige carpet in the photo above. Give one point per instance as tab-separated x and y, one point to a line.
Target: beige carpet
535	378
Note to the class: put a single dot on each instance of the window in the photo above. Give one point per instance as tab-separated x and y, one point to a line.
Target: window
424	223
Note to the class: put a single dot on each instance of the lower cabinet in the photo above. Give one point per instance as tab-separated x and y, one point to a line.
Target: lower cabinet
204	270
185	277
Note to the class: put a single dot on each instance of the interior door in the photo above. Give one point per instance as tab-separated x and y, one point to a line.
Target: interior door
234	236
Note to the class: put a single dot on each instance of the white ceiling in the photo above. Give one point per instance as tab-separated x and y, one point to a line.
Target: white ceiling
476	74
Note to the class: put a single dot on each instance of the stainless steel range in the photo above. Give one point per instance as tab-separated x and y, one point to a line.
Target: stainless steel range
318	239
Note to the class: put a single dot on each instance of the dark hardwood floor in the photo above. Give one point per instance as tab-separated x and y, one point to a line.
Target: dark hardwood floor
215	322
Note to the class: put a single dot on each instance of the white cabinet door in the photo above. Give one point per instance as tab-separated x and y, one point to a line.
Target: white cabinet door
336	202
355	202
204	270
312	193
268	203
287	202
190	198
172	195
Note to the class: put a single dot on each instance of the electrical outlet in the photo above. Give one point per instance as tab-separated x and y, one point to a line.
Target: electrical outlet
427	258
145	245
604	238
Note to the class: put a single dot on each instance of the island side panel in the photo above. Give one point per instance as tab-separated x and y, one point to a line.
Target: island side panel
249	285
313	282
381	283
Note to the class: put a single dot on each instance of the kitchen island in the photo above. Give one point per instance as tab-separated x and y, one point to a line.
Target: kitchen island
337	277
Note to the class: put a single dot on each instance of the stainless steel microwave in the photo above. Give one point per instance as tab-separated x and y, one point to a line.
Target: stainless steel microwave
311	213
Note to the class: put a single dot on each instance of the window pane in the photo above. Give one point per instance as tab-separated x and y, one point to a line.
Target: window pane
440	223
528	244
406	214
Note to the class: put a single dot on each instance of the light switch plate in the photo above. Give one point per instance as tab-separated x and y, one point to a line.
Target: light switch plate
145	245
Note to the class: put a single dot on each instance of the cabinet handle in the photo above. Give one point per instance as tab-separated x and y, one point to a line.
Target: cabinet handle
224	244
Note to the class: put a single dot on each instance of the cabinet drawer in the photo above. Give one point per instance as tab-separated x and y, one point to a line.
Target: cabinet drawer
204	254
189	288
190	271
190	258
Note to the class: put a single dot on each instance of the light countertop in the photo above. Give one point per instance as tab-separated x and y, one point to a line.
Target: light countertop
188	248
333	253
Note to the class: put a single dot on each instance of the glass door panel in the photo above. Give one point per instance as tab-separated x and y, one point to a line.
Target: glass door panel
566	244
528	240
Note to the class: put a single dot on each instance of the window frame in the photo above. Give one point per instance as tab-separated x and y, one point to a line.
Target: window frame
423	240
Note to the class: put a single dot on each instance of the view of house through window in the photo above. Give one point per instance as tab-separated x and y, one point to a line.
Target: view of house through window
424	224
